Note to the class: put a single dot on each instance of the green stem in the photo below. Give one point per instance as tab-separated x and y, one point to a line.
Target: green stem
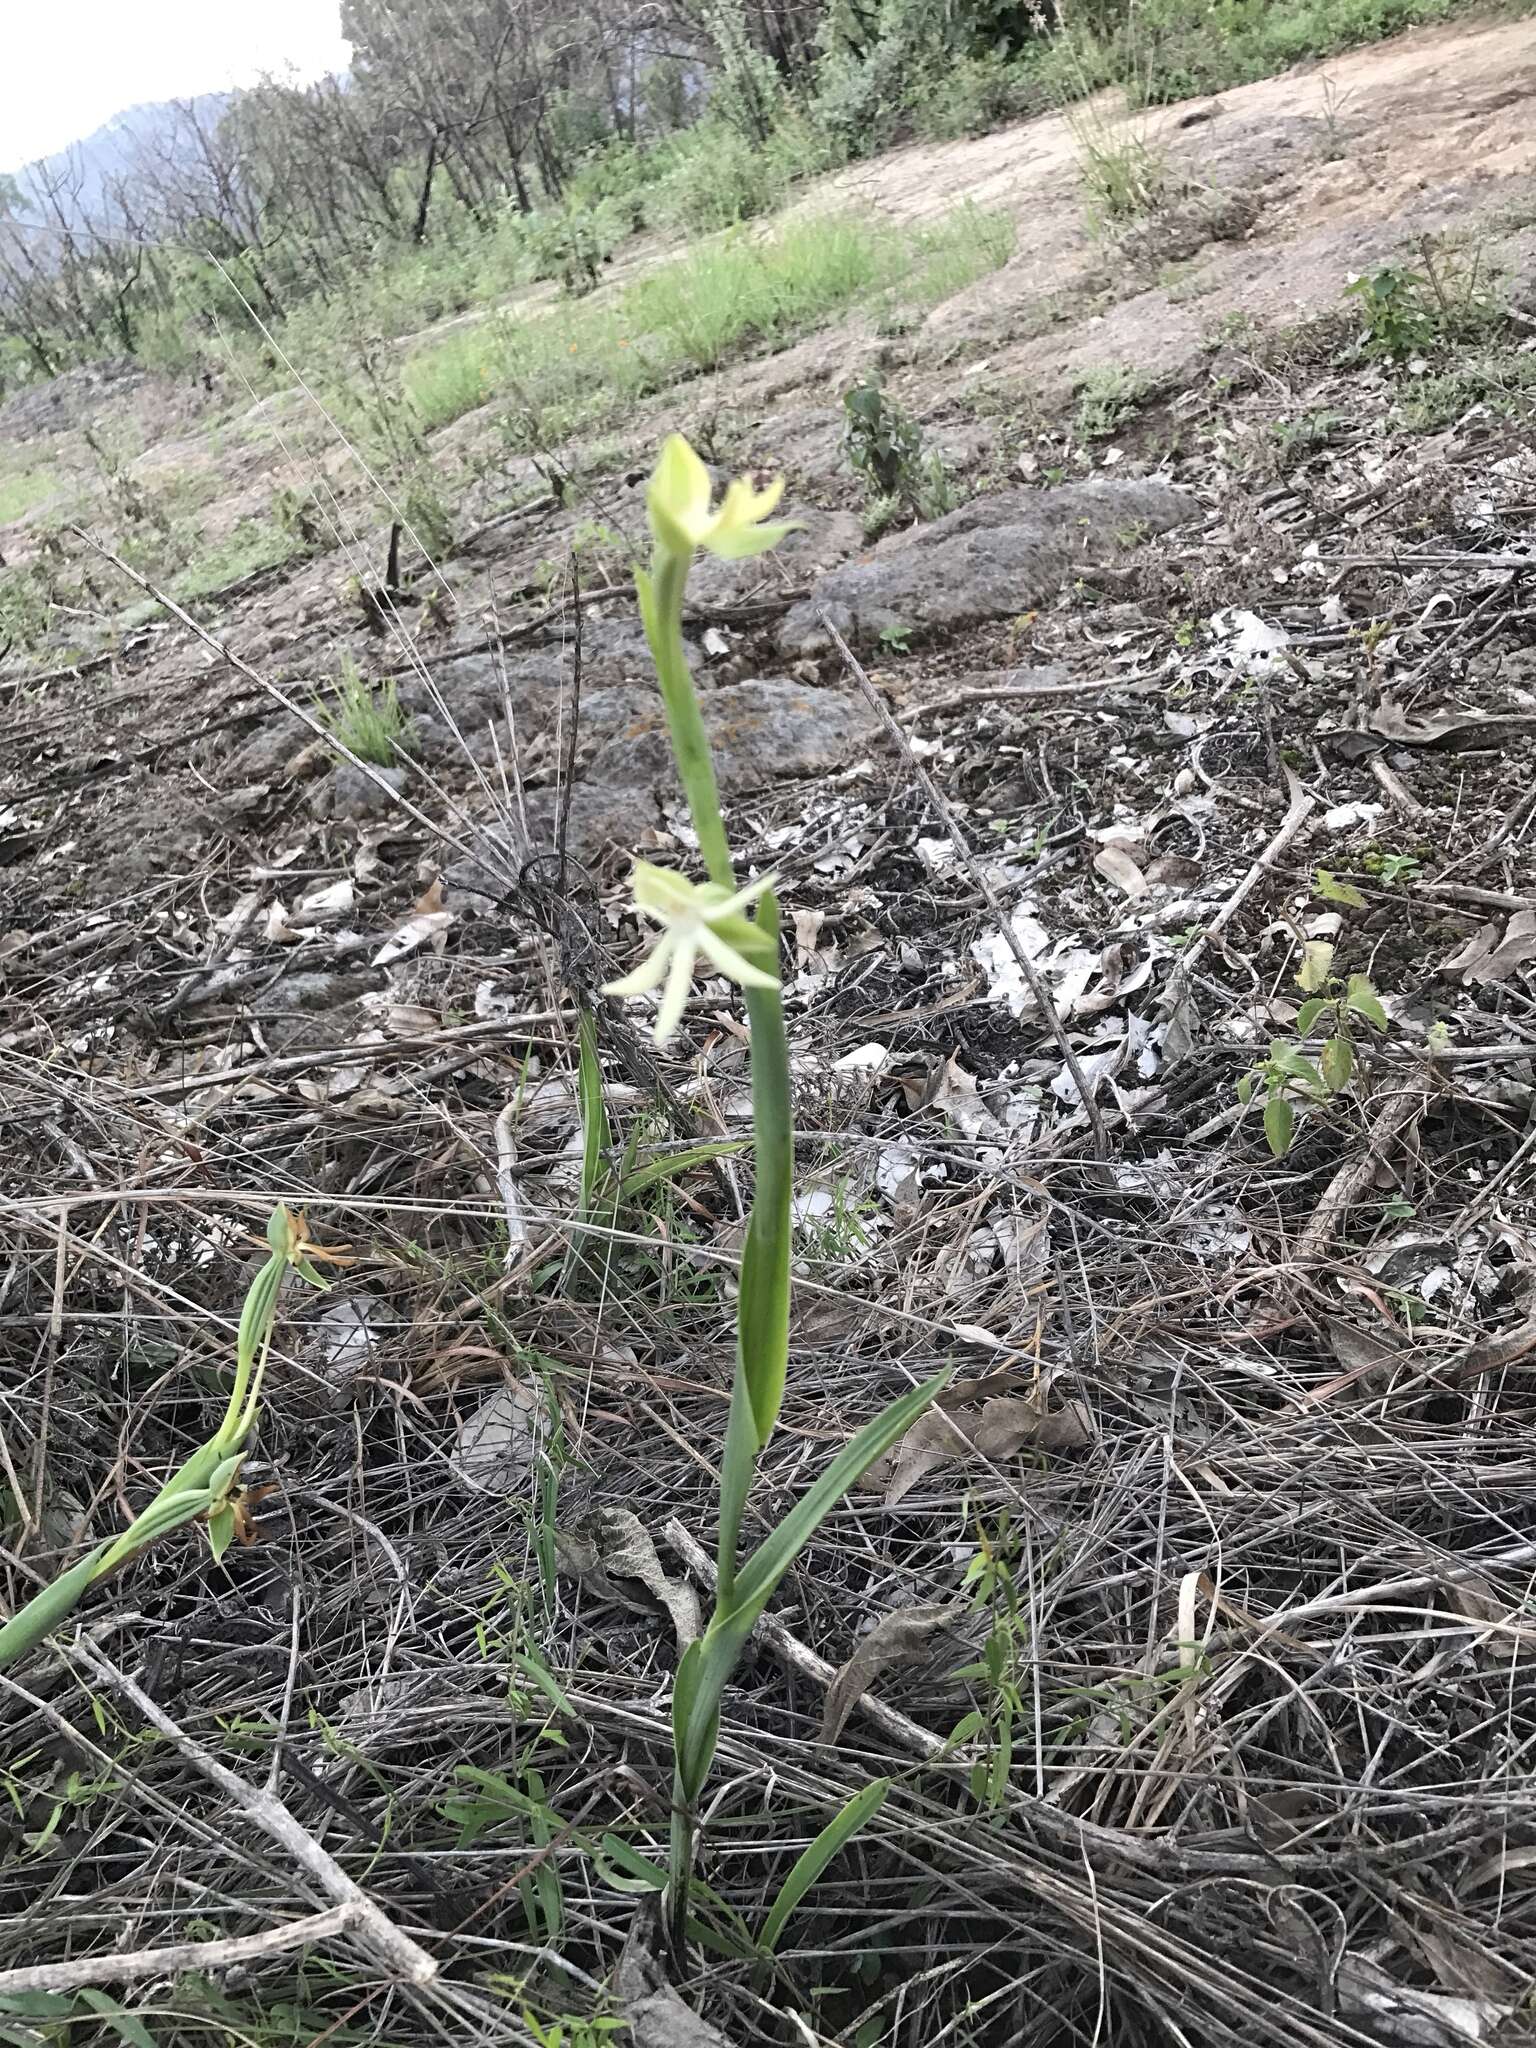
762	1311
762	1316
661	608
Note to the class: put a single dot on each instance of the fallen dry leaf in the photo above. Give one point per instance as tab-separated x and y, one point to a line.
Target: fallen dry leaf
426	927
1115	864
908	1637
612	1550
1490	955
1004	1425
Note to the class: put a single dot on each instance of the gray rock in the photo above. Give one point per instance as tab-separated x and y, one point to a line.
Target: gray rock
351	796
266	754
477	690
603	819
760	732
989	560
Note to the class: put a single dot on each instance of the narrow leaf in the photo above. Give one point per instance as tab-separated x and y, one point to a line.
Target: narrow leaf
778	1551
595	1134
122	2023
837	1833
676	1164
46	1610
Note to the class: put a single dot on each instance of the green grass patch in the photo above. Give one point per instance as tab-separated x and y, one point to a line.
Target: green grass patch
1504	383
367	721
581	362
254	544
21	492
1164	50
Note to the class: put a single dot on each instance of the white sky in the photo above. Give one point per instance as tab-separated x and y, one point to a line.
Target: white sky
68	65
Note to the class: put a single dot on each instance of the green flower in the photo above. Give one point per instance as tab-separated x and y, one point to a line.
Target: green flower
678	502
695	918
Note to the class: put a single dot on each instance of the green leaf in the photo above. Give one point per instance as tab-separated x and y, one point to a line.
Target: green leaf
762	1306
1334	891
678	1163
1279	1125
1361	997
1245	1088
46	1610
1309	1013
707	1664
221	1530
837	1833
1338	1062
778	1551
595	1134
1316	965
1291	1060
123	2024
639	1875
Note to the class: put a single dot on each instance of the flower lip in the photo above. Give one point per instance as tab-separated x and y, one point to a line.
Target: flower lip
696	918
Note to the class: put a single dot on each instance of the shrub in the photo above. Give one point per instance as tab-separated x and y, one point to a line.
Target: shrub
884	446
973	94
720	179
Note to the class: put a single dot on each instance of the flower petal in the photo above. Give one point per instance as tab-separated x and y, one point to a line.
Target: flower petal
732	964
662	893
734	545
678	496
675	1001
647	975
733	904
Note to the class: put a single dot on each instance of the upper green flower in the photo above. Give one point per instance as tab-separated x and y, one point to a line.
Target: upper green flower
695	918
678	502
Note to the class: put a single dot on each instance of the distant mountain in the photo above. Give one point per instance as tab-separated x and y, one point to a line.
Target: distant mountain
86	174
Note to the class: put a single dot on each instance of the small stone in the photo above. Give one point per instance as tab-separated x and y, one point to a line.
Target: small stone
352	795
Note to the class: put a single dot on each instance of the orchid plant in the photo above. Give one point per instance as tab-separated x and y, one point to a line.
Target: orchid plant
736	931
207	1484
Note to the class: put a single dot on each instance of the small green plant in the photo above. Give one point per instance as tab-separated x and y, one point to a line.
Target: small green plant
712	920
1106	398
1392	305
1332	1008
367	722
1392	868
574	241
884	446
1000	1672
1335	137
1123	170
206	1486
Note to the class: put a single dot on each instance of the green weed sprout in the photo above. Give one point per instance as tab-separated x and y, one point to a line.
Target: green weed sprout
737	932
206	1484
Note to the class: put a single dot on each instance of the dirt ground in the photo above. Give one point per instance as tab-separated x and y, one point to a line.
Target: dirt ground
1244	1431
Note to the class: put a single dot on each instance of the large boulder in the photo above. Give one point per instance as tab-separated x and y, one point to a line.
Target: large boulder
991	559
759	732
